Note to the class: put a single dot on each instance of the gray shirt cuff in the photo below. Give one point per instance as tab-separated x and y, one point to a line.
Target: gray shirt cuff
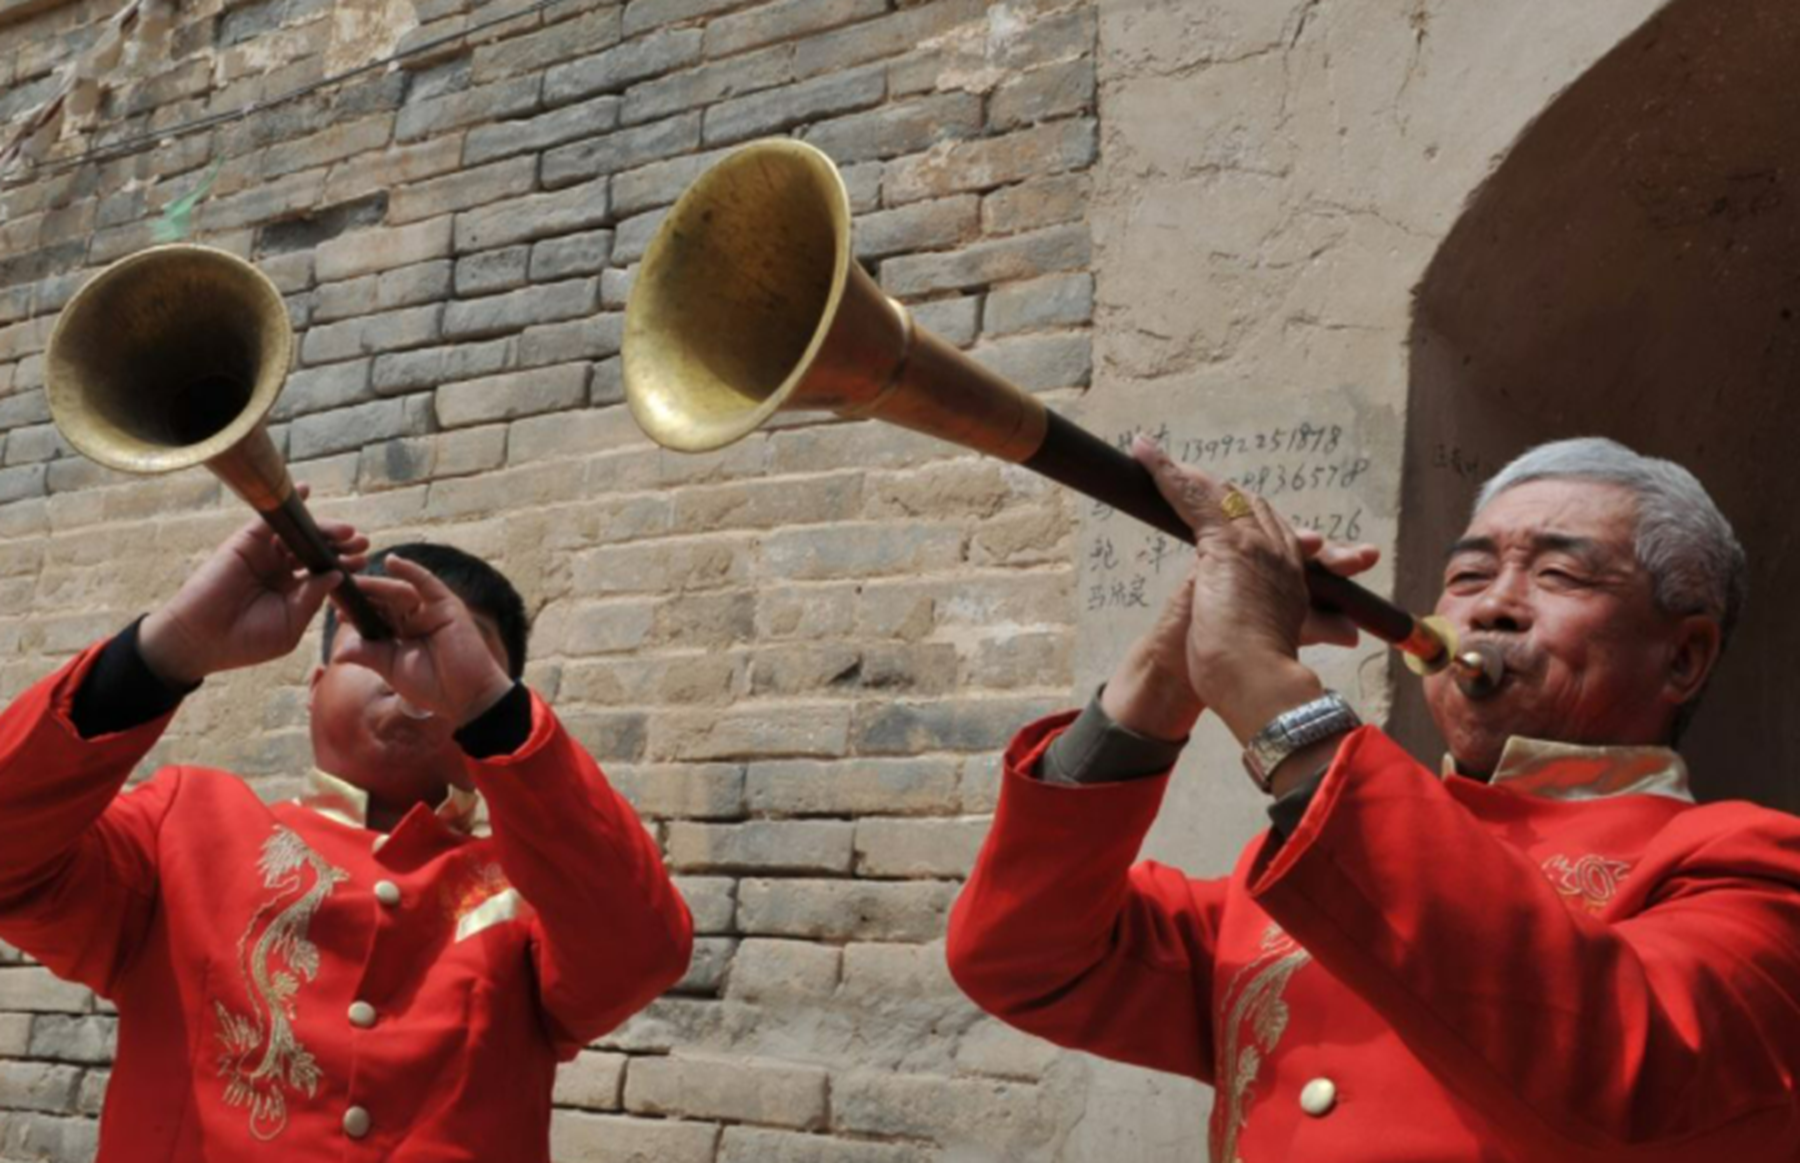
1095	749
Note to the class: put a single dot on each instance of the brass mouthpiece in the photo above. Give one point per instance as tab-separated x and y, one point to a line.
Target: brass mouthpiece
1477	669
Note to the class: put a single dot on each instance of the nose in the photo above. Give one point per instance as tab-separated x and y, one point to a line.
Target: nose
1503	607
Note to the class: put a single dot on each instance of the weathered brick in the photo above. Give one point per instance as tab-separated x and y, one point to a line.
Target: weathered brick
513	97
767	503
552	44
489	271
898	128
505	138
608	383
92	1096
573	254
919	226
343	300
48	1137
593	1081
465	189
410	371
783	20
329	145
708	967
618	1139
761	846
1023	659
644	15
365	252
771	971
844	910
609	736
15	1035
23	482
698	791
1013	1120
633	237
738	1089
36	1086
33	445
617	68
911	786
372	334
961	724
859	551
665	566
706	621
1056	301
659	183
1053	91
955	321
752	732
582	433
596	628
1040	362
588	337
804	613
884	37
62	1038
323	433
515	310
712	900
918	848
529	218
804	668
1025	256
398	463
392	170
763	1145
762	113
707	84
611	152
880	971
986	163
996	1049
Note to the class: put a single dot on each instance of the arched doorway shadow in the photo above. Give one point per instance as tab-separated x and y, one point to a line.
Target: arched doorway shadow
1632	269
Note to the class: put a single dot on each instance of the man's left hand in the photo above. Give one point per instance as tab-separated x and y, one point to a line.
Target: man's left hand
437	660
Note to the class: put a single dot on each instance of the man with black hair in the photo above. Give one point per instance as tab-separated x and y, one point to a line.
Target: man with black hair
363	973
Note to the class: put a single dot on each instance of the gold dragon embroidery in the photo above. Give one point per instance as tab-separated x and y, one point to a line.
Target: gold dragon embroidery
1253	1007
258	1061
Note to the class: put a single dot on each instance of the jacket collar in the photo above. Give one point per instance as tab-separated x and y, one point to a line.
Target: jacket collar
1569	771
343	801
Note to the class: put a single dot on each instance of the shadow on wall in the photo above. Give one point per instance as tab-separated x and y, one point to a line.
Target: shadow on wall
1632	269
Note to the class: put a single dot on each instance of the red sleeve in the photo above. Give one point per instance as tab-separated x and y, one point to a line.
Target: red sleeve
1058	934
1673	1033
610	931
77	860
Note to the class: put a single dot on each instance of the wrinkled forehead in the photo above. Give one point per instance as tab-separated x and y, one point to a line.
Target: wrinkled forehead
1595	513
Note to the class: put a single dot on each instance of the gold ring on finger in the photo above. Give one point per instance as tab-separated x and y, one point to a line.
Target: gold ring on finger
1236	506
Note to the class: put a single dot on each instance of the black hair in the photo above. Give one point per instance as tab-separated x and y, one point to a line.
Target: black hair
482	588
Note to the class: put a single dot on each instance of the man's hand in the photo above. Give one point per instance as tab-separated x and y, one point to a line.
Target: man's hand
1229	637
251	601
437	660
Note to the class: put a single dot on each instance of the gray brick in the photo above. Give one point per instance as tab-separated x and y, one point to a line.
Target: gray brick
589	337
607	386
506	138
33	445
324	433
530	218
344	300
372	334
62	1038
688	791
35	1086
659	183
634	235
593	1081
919	226
762	113
764	1145
784	20
619	1139
1058	301
708	967
552	44
885	37
617	68
17	484
772	971
860	551
752	733
463	190
918	848
898	127
1038	363
365	252
845	910
1053	91
317	389
709	83
410	371
988	162
489	271
609	153
48	1137
410	286
512	394
1025	256
543	303
570	255
804	846
643	15
514	97
961	724
955	321
609	736
1011	1120
712	900
1033	205
909	786
736	1089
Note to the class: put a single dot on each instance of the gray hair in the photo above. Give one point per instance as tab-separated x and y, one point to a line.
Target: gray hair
1695	562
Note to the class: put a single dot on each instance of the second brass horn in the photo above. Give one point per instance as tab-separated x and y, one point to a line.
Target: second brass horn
173	357
749	302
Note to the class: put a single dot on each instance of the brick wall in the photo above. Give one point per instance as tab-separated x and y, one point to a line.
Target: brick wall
798	656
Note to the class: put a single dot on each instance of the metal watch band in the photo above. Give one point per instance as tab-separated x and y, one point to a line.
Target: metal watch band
1291	730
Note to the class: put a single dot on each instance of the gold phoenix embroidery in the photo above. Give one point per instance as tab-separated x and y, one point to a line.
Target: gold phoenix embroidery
1253	1006
273	969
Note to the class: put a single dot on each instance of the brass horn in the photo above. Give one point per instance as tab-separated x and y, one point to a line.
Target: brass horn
749	302
173	357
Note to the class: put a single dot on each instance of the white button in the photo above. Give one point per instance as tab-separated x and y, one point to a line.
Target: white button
379	841
387	892
362	1014
1318	1097
357	1122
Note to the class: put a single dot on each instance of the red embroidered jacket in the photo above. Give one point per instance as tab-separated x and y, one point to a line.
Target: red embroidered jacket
1426	969
293	986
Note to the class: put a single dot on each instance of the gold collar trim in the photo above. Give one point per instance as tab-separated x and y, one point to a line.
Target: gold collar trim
1569	771
340	800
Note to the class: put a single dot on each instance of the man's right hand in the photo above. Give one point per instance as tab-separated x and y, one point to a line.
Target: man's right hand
250	602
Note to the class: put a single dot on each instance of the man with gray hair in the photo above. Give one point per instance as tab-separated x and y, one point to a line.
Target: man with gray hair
1547	953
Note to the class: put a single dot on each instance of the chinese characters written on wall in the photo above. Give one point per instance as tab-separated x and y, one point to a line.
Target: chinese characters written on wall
1306	470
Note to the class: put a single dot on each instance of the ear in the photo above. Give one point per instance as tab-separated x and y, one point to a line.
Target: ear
312	684
1694	651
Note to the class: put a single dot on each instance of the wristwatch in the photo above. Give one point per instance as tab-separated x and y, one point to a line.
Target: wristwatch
1291	730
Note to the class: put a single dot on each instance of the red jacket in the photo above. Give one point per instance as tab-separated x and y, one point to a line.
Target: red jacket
291	985
1426	969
